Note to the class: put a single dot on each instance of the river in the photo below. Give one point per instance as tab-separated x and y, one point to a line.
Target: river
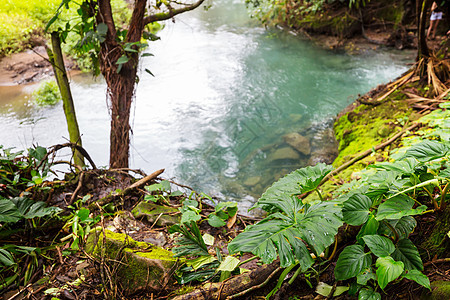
225	92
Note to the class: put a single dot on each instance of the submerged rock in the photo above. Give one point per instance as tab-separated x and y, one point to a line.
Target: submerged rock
163	215
141	266
298	142
252	181
284	153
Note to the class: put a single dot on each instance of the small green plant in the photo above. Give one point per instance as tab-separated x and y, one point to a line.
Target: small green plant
47	93
80	223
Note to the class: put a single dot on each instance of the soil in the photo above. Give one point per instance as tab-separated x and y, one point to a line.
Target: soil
27	67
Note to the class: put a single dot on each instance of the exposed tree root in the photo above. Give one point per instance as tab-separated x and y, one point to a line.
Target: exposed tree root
236	286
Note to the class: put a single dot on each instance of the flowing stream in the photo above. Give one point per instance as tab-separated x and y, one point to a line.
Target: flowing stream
225	92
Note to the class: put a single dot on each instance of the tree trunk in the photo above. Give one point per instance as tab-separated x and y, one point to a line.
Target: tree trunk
120	84
422	47
121	92
57	60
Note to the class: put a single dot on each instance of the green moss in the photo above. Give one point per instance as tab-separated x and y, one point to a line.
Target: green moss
440	291
437	243
186	289
142	265
366	126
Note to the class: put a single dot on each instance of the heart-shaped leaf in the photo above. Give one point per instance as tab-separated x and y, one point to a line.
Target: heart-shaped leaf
356	209
418	277
388	270
351	262
379	245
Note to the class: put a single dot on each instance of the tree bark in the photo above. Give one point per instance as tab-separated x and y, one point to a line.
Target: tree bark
422	47
57	60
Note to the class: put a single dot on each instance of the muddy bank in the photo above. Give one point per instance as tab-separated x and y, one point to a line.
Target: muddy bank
27	67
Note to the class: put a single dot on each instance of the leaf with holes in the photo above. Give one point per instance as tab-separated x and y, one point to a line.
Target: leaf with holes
286	234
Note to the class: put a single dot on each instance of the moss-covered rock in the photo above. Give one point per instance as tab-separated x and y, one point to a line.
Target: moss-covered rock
440	290
163	215
140	266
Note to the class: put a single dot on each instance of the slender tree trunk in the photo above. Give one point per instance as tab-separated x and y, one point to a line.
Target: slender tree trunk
422	47
59	69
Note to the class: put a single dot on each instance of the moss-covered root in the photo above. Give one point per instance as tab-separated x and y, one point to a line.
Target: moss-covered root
237	284
140	266
438	243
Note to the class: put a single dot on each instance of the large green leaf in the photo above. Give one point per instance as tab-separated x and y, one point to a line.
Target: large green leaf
406	166
388	270
427	150
379	245
418	277
351	262
356	209
285	234
8	211
12	210
398	207
407	253
297	182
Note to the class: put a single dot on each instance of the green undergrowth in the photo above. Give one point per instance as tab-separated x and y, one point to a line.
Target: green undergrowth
21	20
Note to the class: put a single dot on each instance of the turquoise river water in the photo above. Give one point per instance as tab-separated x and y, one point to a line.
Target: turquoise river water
225	92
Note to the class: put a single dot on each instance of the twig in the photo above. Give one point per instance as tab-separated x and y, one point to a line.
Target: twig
255	287
77	190
437	261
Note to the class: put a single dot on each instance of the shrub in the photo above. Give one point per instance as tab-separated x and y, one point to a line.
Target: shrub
47	93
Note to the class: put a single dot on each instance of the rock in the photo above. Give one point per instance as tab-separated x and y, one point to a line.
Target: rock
283	153
152	212
295	118
142	266
252	181
298	142
384	131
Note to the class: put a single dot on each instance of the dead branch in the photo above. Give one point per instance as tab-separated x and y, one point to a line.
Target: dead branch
77	190
58	147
